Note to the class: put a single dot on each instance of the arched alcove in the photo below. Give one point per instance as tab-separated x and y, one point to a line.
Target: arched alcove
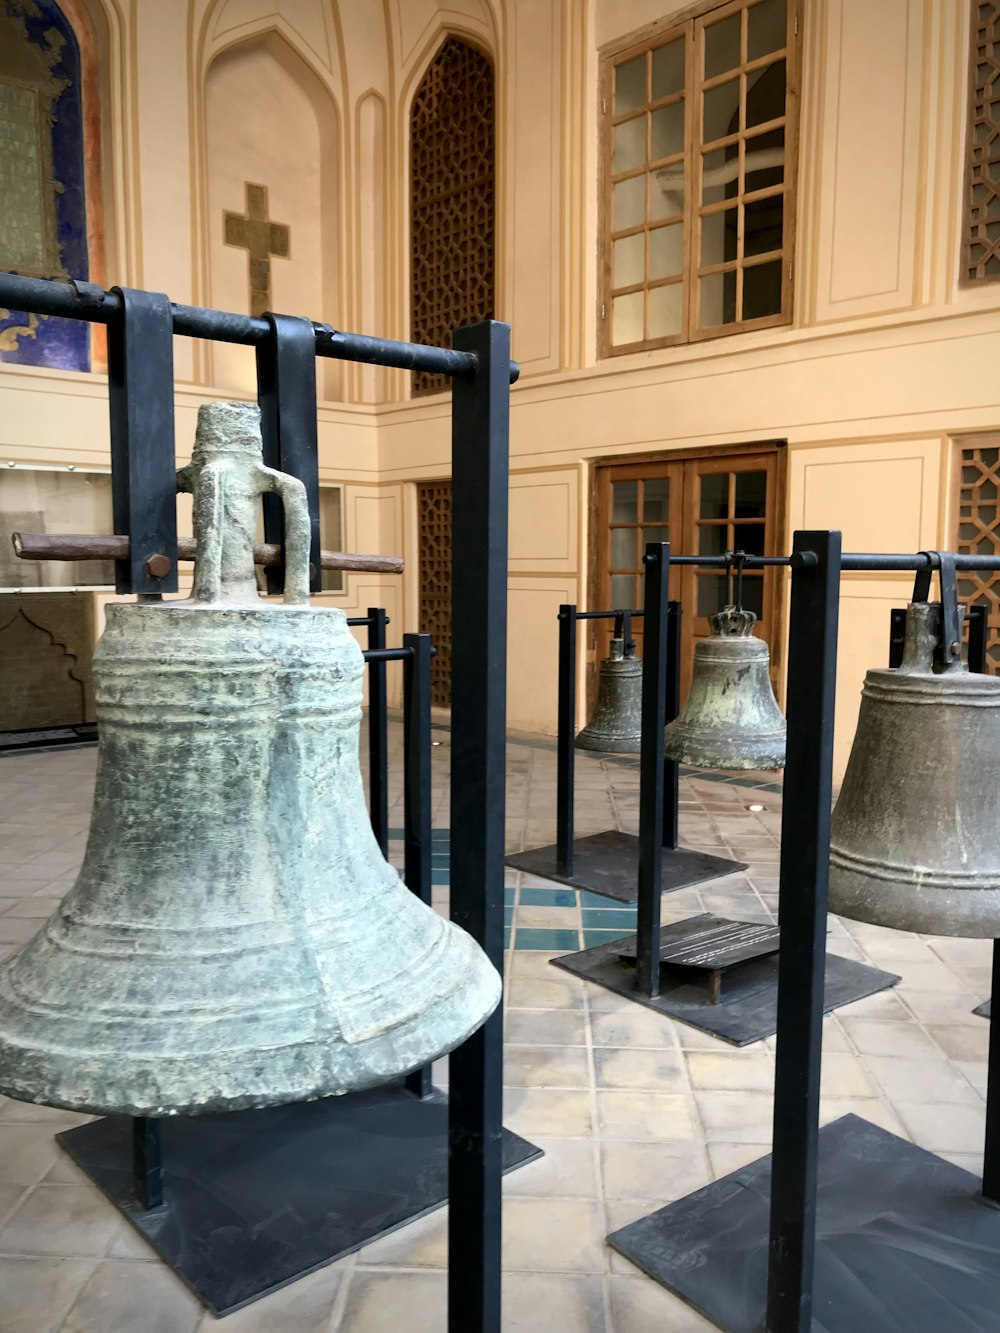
271	192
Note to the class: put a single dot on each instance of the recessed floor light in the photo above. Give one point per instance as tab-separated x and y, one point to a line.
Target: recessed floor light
755	807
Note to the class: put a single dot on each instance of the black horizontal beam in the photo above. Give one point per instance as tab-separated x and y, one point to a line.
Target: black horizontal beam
87	301
391	654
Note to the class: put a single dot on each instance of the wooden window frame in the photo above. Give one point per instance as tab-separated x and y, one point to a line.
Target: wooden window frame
690	24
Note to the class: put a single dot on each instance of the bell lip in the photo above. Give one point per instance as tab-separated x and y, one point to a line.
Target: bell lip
909	907
607	742
699	748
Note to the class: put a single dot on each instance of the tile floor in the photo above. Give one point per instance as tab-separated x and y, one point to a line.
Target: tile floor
633	1110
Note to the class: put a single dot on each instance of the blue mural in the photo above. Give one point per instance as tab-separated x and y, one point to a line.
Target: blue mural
43	228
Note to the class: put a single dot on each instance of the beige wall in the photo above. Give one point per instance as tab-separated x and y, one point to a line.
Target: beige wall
886	361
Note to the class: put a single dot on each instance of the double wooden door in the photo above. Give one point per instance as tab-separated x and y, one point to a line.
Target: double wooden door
702	506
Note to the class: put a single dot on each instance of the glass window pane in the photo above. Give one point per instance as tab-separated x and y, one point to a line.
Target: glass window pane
630	144
718	300
720	174
623	592
714	496
668	69
718	237
656	500
668	131
627	319
721	111
630	203
749	537
711	593
629	260
751	495
764	160
623	554
630	85
331	531
666	192
765	94
762	290
762	225
654	535
712	538
753	595
624	499
767	25
665	310
722	46
666	251
39	500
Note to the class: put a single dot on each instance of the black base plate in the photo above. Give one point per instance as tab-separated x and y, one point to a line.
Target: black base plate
608	864
748	1010
904	1241
985	1009
256	1199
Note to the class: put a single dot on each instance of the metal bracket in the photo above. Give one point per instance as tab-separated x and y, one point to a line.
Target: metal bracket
951	612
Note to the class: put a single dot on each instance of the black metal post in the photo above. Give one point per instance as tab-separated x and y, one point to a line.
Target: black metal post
978	634
655	650
480	450
805	853
147	1162
286	389
566	727
378	731
143	467
672	706
417	792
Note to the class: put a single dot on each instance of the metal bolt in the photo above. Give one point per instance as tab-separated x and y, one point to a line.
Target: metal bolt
157	566
956	648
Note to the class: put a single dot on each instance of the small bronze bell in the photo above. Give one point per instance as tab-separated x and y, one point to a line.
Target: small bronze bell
615	727
914	834
235	937
730	718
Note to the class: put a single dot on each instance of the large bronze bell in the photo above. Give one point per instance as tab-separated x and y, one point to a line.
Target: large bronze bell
730	718
616	727
235	937
914	841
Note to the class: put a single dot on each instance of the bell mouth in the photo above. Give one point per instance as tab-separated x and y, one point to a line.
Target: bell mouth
754	751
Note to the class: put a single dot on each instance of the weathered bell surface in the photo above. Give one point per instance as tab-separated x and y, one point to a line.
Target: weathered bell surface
235	937
730	718
914	840
615	727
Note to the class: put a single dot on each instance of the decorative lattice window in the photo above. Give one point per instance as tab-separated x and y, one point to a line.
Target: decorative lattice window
452	192
434	548
982	233
699	177
979	530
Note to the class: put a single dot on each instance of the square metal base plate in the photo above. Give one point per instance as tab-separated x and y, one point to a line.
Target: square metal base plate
608	863
904	1241
748	1009
985	1009
255	1199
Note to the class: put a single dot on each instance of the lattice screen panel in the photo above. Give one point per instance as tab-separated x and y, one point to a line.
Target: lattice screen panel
979	534
982	257
434	528
452	168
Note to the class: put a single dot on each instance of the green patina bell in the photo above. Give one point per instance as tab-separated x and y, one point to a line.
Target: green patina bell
235	937
730	719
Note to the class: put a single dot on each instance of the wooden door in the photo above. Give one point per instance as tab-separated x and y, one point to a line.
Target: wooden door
702	505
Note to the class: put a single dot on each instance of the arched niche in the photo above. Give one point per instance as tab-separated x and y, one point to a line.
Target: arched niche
272	173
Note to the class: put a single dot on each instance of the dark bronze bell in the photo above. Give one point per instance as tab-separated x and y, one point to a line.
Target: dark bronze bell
730	718
235	937
616	727
914	841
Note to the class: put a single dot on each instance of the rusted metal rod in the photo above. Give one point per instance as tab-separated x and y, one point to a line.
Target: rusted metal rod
91	546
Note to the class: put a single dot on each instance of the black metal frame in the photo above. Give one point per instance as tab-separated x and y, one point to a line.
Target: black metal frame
378	723
482	372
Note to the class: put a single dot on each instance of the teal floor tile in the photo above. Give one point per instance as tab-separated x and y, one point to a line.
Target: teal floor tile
439	875
592	937
532	897
535	937
622	919
508	896
597	901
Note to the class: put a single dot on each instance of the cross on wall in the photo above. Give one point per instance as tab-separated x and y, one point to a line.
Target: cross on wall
254	232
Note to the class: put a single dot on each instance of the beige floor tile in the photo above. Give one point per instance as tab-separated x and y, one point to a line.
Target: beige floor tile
976	1071
553	1235
125	1295
545	1027
639	1305
919	1080
552	1303
868	1108
728	1157
552	992
635	1027
567	1170
422	1243
889	1038
388	1302
27	1153
962	1041
943	1127
642	1170
35	1294
547	1111
735	1117
751	1070
644	1115
71	1220
842	1075
616	1067
304	1307
884	1004
546	1067
944	1007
